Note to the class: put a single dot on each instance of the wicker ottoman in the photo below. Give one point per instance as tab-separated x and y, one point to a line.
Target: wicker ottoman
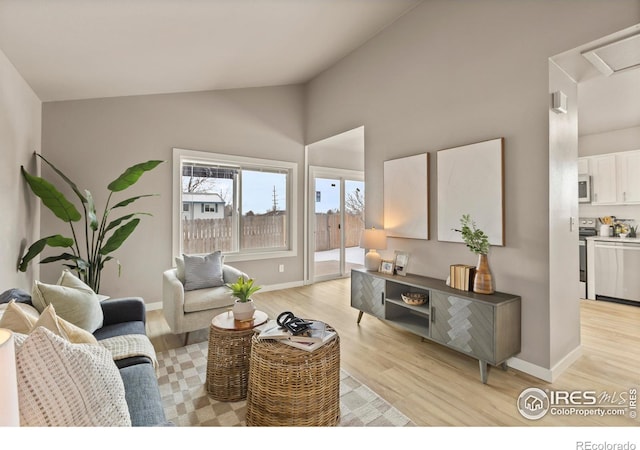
293	387
228	357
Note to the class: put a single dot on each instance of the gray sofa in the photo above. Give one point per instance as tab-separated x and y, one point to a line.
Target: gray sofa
126	316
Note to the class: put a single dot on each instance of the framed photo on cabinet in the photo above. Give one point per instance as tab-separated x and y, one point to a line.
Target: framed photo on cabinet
386	266
401	262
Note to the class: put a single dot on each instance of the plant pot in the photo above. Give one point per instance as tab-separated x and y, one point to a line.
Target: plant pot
483	280
243	310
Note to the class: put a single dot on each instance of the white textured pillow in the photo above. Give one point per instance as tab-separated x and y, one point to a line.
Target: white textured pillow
62	384
60	327
74	301
201	272
18	317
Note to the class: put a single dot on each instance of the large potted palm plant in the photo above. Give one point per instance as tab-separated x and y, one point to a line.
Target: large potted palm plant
102	235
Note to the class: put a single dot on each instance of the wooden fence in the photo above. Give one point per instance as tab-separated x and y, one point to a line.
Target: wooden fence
208	235
328	231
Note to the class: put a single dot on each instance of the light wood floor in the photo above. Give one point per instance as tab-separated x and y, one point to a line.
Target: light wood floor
435	386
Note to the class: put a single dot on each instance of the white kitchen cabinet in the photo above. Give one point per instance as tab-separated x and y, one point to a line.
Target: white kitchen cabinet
628	176
603	180
583	166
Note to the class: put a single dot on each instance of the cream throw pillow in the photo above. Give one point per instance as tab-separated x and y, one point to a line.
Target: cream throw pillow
62	328
68	385
18	317
74	301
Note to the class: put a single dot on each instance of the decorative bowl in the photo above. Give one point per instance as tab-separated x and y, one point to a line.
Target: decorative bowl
414	298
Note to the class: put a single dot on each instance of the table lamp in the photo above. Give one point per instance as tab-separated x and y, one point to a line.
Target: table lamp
9	416
373	240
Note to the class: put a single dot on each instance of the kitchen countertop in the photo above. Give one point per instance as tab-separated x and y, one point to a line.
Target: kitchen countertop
628	240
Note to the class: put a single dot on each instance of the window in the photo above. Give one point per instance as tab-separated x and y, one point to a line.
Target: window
209	207
185	207
247	205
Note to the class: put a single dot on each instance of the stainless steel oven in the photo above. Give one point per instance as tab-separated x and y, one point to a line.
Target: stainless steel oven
587	227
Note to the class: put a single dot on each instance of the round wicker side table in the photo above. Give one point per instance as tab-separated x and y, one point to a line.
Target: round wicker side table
293	387
228	357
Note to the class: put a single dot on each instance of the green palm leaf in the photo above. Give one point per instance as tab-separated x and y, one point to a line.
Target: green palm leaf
131	200
117	222
36	248
65	178
91	212
52	198
131	175
119	236
64	257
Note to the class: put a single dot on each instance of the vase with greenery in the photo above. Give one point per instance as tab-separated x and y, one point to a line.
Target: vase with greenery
242	290
102	234
478	242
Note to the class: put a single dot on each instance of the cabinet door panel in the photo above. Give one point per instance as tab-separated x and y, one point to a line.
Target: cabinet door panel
583	166
603	170
628	180
464	325
367	293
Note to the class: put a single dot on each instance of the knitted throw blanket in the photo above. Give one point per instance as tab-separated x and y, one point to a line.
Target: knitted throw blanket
129	345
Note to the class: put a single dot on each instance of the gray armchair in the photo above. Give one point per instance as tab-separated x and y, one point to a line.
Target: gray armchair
187	311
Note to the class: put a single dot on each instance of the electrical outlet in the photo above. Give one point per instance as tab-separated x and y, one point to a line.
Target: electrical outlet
281	268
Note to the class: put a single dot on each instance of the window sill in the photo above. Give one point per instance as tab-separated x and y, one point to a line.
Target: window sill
234	257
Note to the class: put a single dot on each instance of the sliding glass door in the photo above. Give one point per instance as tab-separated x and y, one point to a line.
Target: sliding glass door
335	223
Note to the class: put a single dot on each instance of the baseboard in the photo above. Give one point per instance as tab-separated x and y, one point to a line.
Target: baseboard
566	362
529	368
271	287
549	375
277	287
153	306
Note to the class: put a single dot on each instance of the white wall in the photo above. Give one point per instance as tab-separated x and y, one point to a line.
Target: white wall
454	73
93	141
20	125
564	297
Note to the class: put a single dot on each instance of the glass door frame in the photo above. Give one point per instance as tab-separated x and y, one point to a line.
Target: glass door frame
331	173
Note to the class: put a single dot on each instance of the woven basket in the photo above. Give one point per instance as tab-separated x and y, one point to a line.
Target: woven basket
293	387
414	298
228	364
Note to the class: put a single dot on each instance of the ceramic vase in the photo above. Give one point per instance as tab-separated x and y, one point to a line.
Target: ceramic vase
483	280
243	310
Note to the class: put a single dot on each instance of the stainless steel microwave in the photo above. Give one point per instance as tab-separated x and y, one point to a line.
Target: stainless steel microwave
584	188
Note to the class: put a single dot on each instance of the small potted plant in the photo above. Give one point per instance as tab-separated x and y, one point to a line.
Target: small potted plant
242	290
478	242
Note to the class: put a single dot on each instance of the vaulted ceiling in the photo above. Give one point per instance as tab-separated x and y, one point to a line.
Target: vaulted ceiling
74	49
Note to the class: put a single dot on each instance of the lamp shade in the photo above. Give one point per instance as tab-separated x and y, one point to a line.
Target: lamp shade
9	416
373	239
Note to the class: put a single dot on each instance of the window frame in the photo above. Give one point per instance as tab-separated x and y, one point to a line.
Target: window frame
245	163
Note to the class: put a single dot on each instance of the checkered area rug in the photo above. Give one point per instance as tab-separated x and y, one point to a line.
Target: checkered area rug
182	375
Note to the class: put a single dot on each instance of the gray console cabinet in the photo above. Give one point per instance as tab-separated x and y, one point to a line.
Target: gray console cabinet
367	294
486	327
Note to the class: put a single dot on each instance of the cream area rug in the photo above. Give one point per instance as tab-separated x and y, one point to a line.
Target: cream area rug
182	375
